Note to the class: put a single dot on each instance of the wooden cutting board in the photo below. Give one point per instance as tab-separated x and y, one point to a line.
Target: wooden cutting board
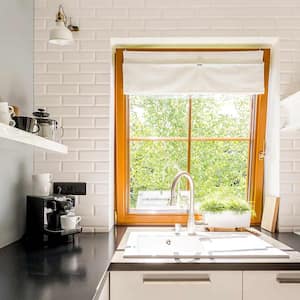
270	213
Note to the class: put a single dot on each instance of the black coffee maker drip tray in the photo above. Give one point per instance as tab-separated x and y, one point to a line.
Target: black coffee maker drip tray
62	232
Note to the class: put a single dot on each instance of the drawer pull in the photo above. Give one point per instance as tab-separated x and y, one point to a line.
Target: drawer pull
169	279
288	280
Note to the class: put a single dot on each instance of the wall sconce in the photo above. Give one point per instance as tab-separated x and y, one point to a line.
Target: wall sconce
61	34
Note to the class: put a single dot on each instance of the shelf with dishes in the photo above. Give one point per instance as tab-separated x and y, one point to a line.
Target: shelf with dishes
39	131
21	136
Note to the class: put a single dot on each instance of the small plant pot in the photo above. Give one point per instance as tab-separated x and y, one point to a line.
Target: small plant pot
228	219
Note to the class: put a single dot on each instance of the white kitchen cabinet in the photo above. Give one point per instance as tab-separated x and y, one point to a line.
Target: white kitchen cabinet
271	285
150	285
104	294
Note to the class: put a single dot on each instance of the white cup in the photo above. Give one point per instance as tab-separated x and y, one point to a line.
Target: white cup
5	117
41	184
4	107
69	222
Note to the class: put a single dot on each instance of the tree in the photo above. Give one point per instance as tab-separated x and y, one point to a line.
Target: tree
215	165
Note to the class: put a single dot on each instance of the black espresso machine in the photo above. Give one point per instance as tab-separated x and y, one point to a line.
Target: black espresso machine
43	214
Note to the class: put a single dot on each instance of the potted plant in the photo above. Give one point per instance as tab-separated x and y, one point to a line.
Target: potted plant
226	211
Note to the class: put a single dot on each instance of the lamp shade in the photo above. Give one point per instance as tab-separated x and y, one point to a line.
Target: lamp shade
60	35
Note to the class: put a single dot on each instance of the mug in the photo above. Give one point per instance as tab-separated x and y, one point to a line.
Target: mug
5	117
41	184
4	107
69	222
27	124
16	110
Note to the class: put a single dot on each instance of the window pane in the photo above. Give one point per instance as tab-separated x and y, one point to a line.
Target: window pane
216	166
153	166
155	116
219	167
221	116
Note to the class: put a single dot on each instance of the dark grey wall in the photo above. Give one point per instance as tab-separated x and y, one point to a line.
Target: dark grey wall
16	87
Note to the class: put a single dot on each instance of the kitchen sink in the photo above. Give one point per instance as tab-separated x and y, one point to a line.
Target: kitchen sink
145	244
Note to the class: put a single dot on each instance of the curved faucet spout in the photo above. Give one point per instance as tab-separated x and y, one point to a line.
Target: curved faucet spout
191	211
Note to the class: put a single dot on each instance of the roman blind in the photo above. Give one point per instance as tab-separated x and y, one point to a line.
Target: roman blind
192	72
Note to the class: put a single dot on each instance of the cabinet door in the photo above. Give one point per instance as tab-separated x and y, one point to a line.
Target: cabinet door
271	285
133	285
104	295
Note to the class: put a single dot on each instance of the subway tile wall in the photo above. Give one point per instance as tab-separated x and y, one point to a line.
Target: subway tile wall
73	82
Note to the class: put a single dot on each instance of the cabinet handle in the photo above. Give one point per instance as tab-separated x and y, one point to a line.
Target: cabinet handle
168	279
288	279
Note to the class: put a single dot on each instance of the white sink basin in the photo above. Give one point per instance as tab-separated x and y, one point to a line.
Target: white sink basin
164	243
202	245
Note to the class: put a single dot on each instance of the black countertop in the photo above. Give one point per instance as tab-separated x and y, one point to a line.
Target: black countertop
289	238
69	271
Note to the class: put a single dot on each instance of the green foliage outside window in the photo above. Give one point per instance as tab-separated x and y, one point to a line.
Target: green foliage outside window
216	166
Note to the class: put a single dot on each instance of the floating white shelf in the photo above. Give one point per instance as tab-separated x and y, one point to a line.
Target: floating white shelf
21	136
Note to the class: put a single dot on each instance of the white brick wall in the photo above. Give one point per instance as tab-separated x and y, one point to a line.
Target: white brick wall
73	81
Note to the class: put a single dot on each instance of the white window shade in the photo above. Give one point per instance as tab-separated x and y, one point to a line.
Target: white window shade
159	73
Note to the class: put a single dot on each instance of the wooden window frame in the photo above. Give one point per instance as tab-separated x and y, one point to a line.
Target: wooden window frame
256	173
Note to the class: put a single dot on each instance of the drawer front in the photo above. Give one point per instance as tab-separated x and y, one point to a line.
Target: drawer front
271	285
175	285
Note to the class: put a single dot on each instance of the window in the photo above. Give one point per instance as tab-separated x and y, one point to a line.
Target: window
218	138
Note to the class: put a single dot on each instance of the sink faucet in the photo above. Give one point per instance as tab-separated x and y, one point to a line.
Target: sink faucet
191	211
